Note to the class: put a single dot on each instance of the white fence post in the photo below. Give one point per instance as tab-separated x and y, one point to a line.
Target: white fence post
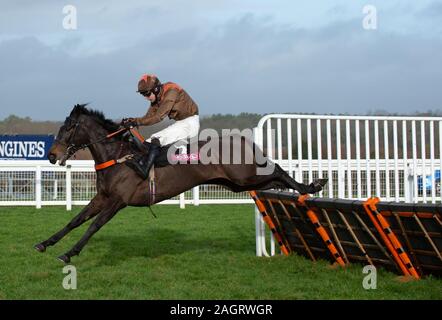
182	201
258	235
409	183
55	193
38	187
196	196
260	226
68	188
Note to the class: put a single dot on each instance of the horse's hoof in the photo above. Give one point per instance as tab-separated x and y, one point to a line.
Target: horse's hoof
40	248
64	258
318	185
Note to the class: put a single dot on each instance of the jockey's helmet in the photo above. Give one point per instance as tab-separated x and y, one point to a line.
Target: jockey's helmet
148	83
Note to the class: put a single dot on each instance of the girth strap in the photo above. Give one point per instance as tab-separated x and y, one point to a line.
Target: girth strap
105	165
112	162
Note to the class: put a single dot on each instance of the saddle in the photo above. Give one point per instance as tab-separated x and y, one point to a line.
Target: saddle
176	153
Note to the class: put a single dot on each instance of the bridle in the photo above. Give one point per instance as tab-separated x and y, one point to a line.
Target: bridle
72	148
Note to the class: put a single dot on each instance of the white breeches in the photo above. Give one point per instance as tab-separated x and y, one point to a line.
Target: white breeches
180	130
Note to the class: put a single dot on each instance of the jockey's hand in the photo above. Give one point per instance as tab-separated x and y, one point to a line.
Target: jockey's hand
129	122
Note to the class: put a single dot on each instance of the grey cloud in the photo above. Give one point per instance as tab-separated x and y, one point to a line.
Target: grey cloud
433	10
247	64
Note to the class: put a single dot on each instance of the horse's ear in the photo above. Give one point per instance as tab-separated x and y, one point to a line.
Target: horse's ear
78	109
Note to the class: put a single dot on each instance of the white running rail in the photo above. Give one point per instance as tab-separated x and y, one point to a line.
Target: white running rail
39	183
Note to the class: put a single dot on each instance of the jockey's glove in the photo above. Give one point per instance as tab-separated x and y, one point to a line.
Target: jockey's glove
129	123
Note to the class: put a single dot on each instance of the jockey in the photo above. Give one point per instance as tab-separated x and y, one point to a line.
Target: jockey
167	100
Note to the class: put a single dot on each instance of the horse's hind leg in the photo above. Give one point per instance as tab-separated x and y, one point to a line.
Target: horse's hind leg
315	186
104	216
88	212
279	179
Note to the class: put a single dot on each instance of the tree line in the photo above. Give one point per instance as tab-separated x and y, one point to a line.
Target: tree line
17	125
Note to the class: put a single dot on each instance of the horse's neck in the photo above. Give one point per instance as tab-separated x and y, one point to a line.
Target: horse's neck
104	150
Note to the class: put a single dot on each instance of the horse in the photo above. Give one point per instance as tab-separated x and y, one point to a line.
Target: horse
118	186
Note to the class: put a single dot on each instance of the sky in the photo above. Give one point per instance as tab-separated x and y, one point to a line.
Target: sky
231	56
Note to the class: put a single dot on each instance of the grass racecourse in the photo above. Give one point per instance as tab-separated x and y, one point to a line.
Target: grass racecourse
205	252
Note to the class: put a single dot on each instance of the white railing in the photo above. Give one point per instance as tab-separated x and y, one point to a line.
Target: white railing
394	158
39	183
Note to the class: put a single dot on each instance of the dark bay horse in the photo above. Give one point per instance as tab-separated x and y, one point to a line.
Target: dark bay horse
119	186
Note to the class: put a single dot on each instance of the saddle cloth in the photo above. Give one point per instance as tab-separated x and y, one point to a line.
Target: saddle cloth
178	154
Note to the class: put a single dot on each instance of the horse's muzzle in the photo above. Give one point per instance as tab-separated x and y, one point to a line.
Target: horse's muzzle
52	158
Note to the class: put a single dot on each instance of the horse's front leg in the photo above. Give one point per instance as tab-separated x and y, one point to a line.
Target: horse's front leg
91	210
105	215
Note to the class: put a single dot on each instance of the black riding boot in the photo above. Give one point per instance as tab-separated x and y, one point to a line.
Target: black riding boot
142	164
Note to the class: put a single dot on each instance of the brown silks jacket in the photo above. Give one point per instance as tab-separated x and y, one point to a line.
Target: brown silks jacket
173	102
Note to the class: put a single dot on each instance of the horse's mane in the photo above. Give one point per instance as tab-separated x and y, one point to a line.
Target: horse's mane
80	109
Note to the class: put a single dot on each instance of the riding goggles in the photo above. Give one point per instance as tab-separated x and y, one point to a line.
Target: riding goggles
146	93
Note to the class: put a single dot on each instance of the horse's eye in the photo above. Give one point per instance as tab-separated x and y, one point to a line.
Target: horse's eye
70	126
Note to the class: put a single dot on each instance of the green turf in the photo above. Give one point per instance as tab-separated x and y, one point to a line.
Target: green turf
205	252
